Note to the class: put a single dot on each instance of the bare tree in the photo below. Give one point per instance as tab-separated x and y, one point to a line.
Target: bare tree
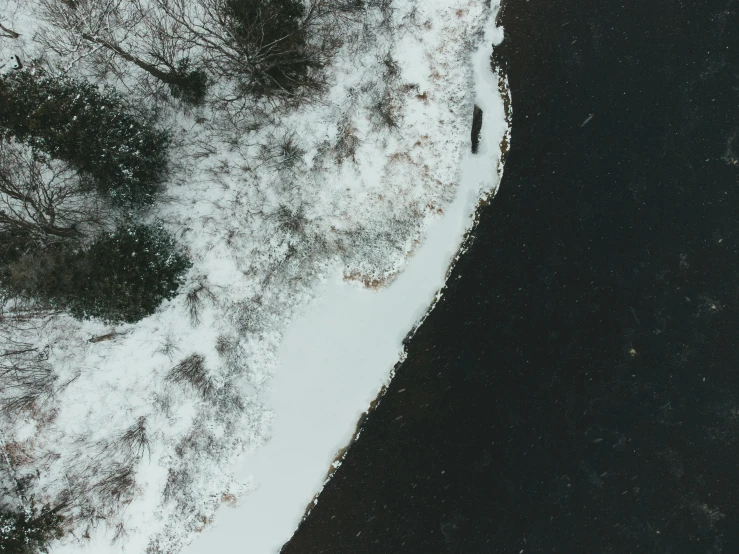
127	29
266	48
42	200
70	19
270	47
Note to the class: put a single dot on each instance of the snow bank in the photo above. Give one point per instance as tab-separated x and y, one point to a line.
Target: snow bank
335	357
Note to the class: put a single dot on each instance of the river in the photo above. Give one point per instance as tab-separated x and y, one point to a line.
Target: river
576	389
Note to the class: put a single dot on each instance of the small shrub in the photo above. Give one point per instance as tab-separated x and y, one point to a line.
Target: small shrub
136	438
347	143
168	346
386	110
117	483
192	371
231	352
229	400
291	221
391	66
226	346
194	301
385	8
178	482
282	153
117	153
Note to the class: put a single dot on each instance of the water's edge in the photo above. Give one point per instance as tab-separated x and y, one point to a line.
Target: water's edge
484	93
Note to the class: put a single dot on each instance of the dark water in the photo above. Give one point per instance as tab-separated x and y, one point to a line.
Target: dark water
577	388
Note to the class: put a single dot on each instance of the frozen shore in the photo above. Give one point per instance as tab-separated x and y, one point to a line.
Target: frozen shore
336	356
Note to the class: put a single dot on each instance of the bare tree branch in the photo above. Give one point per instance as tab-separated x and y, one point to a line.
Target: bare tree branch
42	200
271	47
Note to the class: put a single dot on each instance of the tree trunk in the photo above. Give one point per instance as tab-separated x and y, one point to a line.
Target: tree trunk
170	78
8	33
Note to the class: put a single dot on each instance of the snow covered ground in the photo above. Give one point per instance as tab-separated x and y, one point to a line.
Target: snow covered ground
310	273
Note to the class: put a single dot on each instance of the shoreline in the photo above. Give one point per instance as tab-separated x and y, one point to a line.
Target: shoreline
345	303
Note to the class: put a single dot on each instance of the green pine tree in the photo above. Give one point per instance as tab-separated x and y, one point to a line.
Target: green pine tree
28	531
124	275
121	276
118	153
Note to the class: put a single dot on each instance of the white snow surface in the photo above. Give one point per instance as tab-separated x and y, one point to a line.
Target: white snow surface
317	270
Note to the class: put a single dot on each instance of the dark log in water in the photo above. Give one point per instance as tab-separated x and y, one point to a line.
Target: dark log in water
476	127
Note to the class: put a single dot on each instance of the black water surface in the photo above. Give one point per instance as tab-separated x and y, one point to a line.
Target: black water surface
577	388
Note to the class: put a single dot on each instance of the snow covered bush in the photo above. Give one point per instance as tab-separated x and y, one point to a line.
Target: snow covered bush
124	275
116	152
192	371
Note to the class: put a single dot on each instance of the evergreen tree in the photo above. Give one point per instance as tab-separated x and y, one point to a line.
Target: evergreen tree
27	531
116	152
122	276
125	275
